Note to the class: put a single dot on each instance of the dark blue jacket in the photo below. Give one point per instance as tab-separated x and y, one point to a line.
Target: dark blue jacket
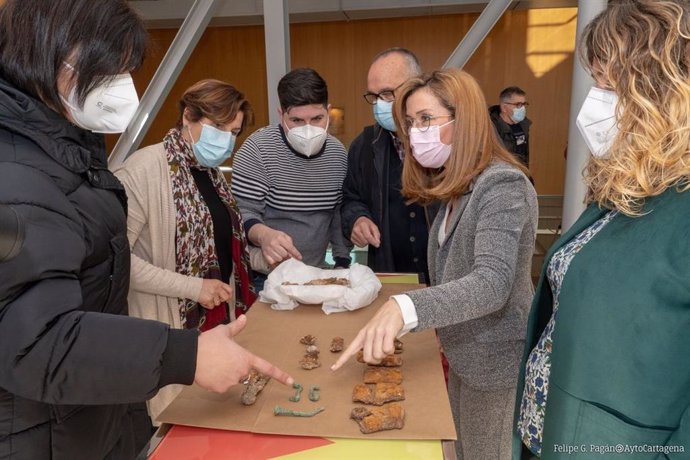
365	193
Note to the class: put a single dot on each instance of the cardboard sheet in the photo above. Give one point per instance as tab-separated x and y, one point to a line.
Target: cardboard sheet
274	335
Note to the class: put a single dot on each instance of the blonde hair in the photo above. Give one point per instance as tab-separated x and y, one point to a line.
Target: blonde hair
475	144
640	48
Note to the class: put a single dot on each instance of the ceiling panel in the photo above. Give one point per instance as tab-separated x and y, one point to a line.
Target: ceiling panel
171	13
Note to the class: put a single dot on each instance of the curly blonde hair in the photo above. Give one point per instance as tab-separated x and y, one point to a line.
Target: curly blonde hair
475	143
641	49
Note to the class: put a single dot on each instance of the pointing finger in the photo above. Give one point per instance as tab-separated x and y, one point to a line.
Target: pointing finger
293	252
267	368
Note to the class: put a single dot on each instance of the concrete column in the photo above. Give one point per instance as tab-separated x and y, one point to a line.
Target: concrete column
163	80
578	153
277	37
491	13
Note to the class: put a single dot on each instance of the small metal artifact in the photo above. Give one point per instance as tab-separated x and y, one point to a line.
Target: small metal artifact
255	382
337	344
298	392
377	393
389	361
320	282
308	340
314	393
311	358
378	374
310	361
294	413
398	346
373	419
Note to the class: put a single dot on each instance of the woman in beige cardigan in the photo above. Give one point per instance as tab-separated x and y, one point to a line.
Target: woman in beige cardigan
183	225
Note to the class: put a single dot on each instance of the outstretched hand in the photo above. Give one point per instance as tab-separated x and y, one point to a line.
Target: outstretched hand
222	363
376	338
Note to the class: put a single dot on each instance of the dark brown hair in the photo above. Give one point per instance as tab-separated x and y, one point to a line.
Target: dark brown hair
218	101
302	86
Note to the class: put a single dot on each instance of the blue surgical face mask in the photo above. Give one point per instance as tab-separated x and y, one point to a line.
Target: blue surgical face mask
214	146
383	113
518	114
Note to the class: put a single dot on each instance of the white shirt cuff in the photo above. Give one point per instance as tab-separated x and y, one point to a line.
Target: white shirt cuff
409	313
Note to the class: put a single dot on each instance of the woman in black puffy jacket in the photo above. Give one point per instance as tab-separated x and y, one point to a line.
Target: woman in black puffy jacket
70	360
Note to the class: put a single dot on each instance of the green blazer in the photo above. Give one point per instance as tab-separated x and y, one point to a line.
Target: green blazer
620	364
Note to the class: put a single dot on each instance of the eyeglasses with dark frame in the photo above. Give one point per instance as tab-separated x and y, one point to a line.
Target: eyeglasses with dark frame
387	96
423	123
519	105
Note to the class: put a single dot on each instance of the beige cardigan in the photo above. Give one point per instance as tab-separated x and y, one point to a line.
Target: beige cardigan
155	287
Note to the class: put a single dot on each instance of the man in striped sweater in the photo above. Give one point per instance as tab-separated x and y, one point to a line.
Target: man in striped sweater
288	178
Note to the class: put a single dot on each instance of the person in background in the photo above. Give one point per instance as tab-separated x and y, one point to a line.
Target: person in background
606	355
288	180
480	252
71	360
510	120
374	212
190	266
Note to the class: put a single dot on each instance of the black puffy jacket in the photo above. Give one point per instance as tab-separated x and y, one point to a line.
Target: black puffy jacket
70	360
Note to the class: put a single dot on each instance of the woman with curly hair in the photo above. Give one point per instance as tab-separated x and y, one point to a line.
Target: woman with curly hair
607	341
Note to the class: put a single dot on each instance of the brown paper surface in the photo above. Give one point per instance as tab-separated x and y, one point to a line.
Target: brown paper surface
275	335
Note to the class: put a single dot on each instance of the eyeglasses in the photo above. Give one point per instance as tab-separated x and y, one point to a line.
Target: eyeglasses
387	95
519	105
423	123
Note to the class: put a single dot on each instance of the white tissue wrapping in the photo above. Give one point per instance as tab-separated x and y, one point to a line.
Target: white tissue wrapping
363	289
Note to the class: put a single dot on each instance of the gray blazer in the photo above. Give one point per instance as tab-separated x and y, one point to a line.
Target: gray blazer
481	286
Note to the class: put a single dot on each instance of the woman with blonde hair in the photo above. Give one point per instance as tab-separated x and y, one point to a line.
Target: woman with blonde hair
480	252
606	358
189	253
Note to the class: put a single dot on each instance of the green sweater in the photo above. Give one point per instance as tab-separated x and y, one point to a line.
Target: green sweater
620	372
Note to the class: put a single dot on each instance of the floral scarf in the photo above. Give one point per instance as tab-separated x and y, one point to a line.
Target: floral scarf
195	252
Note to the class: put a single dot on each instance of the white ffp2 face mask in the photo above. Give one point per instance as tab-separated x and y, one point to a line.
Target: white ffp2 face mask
597	120
307	139
108	108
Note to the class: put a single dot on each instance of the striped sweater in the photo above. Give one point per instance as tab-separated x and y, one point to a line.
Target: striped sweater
301	196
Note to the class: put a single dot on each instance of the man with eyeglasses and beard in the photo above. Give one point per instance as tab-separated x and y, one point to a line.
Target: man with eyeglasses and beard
374	212
511	122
